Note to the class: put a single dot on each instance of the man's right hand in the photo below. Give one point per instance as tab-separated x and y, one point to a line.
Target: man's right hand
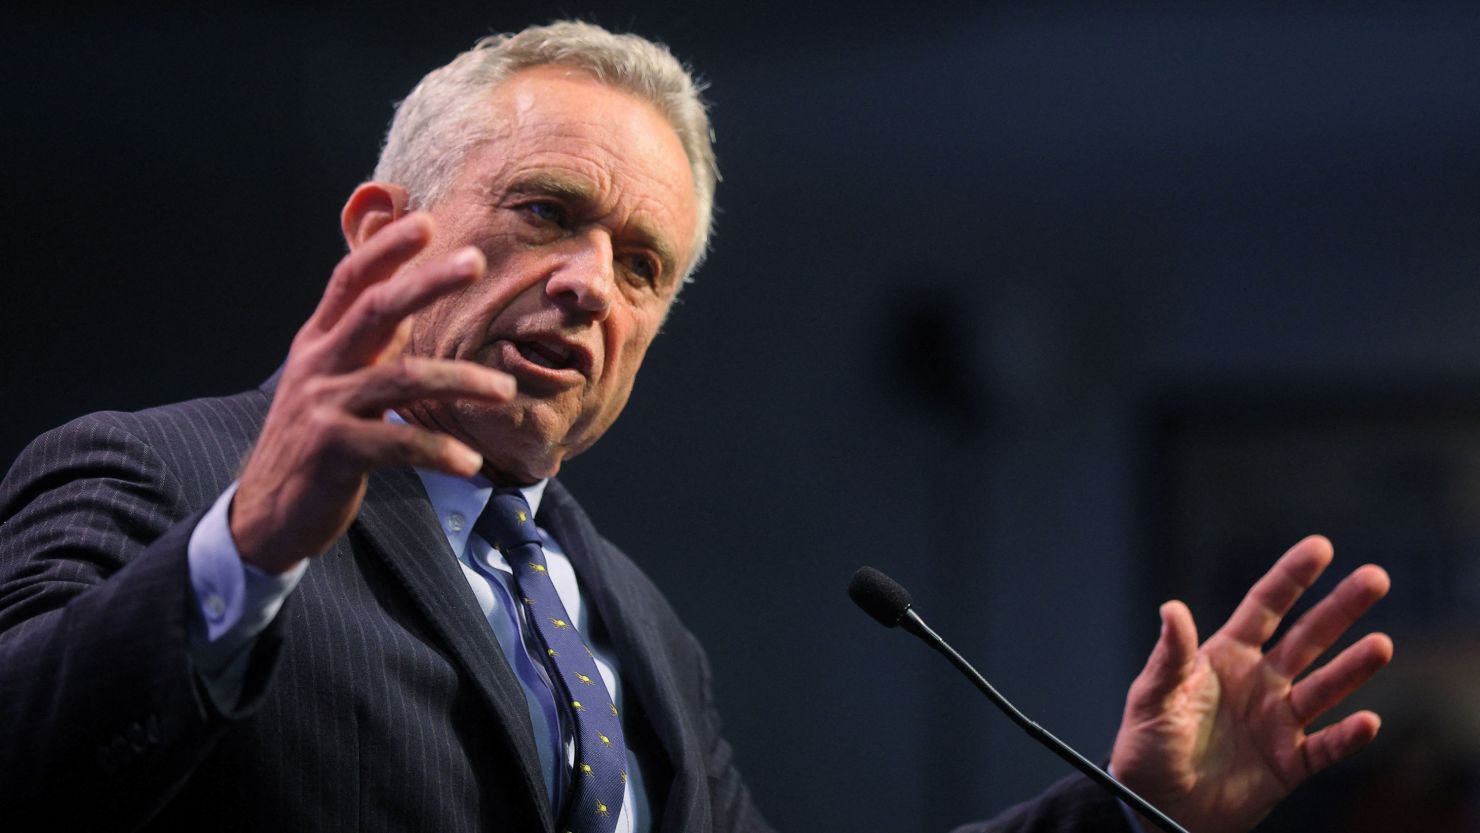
325	432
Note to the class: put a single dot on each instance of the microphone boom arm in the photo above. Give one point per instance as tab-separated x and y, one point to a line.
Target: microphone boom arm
912	622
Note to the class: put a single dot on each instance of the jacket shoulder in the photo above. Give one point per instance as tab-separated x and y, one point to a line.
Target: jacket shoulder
190	450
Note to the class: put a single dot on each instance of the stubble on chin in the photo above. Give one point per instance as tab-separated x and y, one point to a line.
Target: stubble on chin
517	449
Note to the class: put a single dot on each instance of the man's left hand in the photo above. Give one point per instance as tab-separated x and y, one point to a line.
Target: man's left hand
1214	735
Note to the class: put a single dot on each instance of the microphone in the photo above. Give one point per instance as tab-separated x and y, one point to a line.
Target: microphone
889	603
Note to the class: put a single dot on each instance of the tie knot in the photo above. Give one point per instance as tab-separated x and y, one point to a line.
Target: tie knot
507	521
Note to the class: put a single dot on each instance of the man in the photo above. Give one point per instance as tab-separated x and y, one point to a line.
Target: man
170	658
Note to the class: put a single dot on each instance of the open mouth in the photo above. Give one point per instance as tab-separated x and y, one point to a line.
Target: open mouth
552	356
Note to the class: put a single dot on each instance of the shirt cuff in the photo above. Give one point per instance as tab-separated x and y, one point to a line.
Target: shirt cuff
234	602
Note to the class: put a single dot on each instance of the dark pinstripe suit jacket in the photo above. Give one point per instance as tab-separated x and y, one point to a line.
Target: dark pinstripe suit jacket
378	700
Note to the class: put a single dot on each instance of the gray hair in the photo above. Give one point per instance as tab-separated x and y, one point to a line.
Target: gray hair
443	120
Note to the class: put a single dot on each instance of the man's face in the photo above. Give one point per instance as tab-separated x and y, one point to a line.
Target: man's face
584	206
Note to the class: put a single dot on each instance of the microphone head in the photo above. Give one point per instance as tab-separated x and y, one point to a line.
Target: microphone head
879	595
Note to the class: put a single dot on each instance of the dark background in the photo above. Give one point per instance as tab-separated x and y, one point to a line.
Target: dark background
1050	311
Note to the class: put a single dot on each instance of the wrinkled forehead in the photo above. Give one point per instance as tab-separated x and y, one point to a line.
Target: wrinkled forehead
562	123
554	113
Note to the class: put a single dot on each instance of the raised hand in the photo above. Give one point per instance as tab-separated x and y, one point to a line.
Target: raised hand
303	483
1215	735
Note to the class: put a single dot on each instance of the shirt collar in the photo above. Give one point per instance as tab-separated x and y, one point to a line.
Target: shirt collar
458	501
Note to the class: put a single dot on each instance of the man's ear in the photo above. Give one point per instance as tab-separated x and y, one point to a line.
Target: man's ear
372	207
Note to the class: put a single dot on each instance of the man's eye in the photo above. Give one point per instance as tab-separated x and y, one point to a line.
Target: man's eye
643	267
547	211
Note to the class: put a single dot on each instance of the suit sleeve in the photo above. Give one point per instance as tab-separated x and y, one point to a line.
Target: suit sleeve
1073	805
101	716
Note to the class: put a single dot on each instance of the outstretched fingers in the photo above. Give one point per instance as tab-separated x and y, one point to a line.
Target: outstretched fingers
325	430
1272	596
1324	623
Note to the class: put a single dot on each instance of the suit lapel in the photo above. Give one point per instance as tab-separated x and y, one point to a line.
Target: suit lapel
643	653
398	522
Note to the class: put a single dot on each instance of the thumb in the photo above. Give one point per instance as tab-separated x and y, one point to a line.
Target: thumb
1169	664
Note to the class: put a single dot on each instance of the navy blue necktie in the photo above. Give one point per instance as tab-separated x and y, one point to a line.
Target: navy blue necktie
600	777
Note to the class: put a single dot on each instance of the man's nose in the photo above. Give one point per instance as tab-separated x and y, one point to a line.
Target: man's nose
586	276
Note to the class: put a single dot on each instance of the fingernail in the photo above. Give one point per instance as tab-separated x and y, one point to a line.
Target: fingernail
468	261
470	459
415	227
